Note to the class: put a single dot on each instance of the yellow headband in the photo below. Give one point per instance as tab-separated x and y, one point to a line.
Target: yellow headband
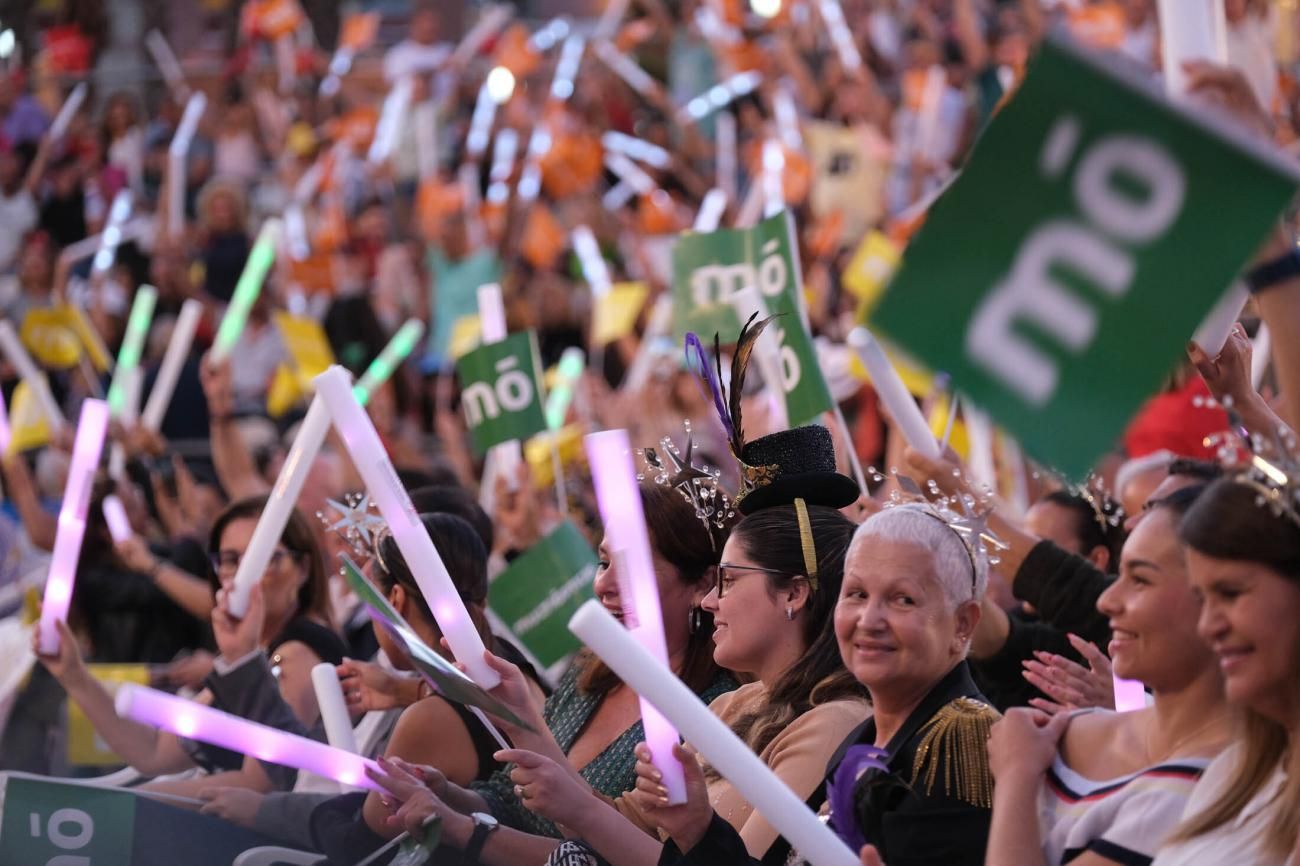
806	540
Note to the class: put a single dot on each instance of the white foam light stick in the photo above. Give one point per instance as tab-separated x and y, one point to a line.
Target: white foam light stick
636	148
13	349
295	232
725	179
847	50
247	290
279	504
67	111
391	115
614	478
334	387
506	457
195	721
177	152
333	709
480	124
426	138
892	392
979	432
566	68
503	165
734	760
617	195
630	173
625	68
168	65
178	351
614	13
92	427
1218	323
787	117
928	123
112	234
530	179
549	36
1260	357
773	173
719	96
711	210
467	177
115	516
1129	695
490	22
132	349
593	263
1188	32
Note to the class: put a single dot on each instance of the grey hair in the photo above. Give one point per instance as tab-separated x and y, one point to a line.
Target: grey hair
918	524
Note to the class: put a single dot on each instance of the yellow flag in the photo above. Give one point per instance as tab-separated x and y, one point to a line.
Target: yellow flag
870	269
537	451
76	319
85	748
309	356
284	393
616	313
465	336
939	425
48	335
28	426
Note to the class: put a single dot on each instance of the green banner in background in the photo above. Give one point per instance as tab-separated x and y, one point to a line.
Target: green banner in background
541	589
710	268
500	391
1093	228
455	294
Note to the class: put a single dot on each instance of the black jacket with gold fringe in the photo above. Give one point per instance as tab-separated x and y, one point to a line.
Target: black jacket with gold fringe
934	805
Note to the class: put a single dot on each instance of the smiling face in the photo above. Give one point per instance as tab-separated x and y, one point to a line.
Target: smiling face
749	616
675	597
1250	617
898	631
1153	609
284	576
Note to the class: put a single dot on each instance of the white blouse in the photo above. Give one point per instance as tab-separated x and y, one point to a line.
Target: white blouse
1237	842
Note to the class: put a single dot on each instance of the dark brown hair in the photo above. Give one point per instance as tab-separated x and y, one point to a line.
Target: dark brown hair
771	539
1228	523
679	537
313	596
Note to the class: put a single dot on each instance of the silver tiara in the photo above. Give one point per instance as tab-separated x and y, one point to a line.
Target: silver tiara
698	485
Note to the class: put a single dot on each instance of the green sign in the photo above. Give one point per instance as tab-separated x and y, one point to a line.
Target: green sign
455	294
500	391
542	589
1060	277
710	269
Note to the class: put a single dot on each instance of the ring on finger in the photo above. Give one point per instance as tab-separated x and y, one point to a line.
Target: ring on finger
519	792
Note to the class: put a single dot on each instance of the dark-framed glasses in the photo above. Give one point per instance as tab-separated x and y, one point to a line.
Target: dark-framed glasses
728	574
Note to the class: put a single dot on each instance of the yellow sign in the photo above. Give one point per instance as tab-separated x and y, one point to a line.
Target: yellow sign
873	264
47	335
537	451
85	748
89	337
28	426
616	313
309	356
465	336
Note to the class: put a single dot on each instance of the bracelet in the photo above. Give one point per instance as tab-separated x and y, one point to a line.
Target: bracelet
1278	270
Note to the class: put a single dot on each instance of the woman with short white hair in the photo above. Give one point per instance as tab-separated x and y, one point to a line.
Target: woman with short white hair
908	607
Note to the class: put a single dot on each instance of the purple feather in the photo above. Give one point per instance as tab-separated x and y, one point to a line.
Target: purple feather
701	357
857	760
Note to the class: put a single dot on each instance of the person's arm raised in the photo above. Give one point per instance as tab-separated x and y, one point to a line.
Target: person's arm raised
233	462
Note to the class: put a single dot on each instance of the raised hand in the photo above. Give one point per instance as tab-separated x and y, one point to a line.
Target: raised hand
368	687
1070	685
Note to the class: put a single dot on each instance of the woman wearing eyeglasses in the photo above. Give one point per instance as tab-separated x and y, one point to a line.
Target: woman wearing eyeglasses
287	624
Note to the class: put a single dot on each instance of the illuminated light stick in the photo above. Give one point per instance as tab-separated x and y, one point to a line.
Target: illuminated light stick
926	142
295	232
549	36
979	433
467	177
630	173
1129	695
381	369
129	355
710	736
376	470
426	138
1213	331
614	478
13	349
725	171
168	65
333	710
480	124
92	427
492	20
1010	456
636	148
1260	356
132	385
787	117
530	179
247	289
593	264
112	234
67	111
566	68
115	516
617	195
390	118
178	351
135	229
503	165
279	504
719	96
773	172
177	152
892	392
752	207
567	372
847	50
614	13
627	69
194	721
1189	30
711	211
340	63
506	457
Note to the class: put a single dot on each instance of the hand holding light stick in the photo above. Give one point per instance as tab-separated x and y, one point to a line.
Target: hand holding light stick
1189	30
614	478
892	392
92	427
1213	332
12	348
711	211
195	721
115	516
333	710
111	237
178	351
69	110
128	357
334	388
177	153
657	686
247	289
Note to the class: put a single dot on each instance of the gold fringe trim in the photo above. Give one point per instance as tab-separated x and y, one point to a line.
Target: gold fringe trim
956	744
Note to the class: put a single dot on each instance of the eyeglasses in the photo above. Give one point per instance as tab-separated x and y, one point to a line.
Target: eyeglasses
725	579
227	561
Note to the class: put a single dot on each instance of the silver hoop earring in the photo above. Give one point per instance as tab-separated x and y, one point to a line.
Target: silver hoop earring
695	620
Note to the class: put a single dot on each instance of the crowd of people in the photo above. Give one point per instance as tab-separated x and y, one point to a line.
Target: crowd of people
929	661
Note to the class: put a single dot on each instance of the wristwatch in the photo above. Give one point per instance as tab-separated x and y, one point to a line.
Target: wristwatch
1278	270
484	826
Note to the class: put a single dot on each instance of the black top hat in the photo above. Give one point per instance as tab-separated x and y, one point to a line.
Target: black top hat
792	464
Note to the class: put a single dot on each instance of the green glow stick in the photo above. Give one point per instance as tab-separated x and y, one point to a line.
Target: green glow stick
567	373
397	350
128	357
247	289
